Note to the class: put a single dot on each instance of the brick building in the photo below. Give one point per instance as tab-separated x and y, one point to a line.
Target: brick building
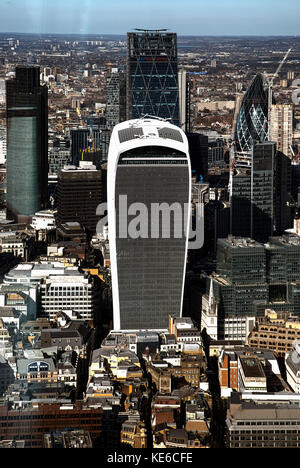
276	332
31	422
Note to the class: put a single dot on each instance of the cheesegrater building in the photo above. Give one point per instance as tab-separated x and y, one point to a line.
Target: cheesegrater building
148	164
152	75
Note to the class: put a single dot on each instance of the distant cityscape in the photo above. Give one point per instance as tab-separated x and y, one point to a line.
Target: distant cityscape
149	241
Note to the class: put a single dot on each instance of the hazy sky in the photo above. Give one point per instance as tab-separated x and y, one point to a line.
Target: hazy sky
195	17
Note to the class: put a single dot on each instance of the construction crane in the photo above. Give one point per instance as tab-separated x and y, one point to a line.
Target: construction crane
296	157
270	82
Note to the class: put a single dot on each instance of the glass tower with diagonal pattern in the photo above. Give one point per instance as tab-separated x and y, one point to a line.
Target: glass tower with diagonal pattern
152	75
252	121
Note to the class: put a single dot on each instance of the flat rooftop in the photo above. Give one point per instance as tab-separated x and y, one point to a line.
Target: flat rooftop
251	367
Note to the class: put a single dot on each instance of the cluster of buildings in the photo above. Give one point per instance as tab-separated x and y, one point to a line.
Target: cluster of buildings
171	364
97	344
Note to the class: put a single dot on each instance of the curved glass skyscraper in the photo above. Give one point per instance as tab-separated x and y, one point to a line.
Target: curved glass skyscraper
252	121
148	194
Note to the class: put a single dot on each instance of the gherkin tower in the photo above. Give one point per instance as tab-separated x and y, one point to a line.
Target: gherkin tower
252	121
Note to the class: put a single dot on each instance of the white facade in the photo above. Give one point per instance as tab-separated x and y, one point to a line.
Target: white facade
3	141
292	364
183	99
281	127
209	314
3	150
238	328
43	220
67	292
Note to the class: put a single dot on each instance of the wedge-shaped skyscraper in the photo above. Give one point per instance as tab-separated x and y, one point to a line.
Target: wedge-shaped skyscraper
149	187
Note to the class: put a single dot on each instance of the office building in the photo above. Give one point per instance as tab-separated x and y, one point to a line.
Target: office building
3	150
275	331
262	190
29	423
79	192
152	75
149	164
198	149
184	100
27	143
240	202
216	153
281	127
86	145
283	193
292	361
252	194
47	288
67	292
252	277
252	120
68	439
251	375
265	421
239	285
58	158
115	99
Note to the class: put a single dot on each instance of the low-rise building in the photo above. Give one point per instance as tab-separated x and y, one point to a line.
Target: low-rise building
275	331
6	343
7	375
270	422
29	422
251	375
68	438
134	434
292	365
35	370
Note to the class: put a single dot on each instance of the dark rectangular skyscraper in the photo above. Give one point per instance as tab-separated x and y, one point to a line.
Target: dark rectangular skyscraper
27	143
262	190
86	146
79	192
152	75
252	194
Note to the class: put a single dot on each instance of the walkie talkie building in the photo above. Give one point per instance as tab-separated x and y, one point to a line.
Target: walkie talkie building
152	75
149	174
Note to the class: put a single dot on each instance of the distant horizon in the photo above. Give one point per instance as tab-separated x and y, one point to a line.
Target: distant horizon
214	18
133	30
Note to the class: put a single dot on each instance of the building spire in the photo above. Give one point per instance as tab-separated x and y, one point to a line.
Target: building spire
211	298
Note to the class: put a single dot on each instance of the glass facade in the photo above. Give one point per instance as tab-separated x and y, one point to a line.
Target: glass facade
152	75
151	269
115	99
253	195
252	122
240	206
22	138
27	143
253	277
262	190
